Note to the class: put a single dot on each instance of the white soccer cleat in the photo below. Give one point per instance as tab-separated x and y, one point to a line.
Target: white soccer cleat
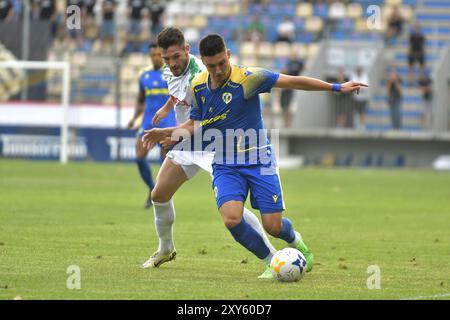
158	259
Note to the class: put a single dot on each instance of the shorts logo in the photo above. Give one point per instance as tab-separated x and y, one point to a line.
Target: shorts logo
216	191
226	97
275	198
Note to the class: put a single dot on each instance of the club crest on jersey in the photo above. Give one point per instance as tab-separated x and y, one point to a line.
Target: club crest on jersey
203	99
226	97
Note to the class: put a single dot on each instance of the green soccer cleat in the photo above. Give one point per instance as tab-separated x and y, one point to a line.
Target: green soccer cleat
303	248
267	274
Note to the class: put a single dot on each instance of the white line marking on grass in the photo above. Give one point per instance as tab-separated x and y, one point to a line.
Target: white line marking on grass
428	297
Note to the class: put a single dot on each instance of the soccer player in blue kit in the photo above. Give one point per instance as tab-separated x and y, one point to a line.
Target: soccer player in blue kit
153	94
226	101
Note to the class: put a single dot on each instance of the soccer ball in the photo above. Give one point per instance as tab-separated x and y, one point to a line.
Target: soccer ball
288	265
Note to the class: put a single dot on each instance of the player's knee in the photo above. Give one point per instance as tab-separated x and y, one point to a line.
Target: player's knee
159	196
273	229
231	222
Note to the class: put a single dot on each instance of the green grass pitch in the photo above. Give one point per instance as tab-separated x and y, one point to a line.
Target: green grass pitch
91	215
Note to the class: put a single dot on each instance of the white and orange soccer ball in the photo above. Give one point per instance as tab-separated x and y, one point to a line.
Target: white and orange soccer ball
288	265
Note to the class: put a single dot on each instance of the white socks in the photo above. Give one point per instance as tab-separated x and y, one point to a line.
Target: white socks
164	218
253	221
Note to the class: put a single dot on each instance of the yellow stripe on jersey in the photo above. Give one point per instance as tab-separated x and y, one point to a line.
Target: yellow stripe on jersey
149	68
156	91
220	117
199	79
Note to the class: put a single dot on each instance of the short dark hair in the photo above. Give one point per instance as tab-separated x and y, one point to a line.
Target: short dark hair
211	45
170	36
152	45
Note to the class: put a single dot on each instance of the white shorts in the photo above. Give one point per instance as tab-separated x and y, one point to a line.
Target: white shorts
192	161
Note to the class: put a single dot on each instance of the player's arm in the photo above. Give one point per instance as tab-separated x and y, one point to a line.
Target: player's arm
169	136
139	109
163	111
312	84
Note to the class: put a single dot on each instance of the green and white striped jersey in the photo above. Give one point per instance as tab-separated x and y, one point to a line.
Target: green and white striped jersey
180	87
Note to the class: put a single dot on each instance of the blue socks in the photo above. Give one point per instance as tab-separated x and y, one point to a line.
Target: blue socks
145	172
250	239
287	231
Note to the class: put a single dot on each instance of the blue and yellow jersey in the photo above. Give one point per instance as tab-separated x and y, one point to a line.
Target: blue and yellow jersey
154	88
234	109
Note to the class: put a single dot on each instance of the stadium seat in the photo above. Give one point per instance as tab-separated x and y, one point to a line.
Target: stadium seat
174	7
393	2
207	9
313	48
304	10
282	49
248	49
354	10
301	49
337	11
313	24
361	25
266	49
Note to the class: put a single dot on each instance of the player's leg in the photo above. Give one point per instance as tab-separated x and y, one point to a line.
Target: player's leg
231	191
267	196
144	169
204	160
170	177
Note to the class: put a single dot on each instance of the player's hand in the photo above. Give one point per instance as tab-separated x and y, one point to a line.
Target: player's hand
167	143
159	115
130	124
151	137
352	86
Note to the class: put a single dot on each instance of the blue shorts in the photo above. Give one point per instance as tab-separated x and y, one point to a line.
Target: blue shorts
263	182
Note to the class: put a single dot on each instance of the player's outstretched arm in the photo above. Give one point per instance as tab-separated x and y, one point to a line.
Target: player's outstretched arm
163	111
313	84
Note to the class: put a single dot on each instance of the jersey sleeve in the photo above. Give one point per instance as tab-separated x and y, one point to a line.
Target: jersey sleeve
258	80
196	113
141	85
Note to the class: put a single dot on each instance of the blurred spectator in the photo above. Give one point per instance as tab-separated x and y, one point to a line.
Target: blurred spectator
47	12
342	104
108	23
135	8
255	31
394	90
90	5
294	67
416	50
6	11
395	25
425	85
286	30
361	99
46	9
156	9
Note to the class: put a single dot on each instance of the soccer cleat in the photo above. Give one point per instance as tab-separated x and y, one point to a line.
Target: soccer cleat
303	248
148	202
158	259
267	274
